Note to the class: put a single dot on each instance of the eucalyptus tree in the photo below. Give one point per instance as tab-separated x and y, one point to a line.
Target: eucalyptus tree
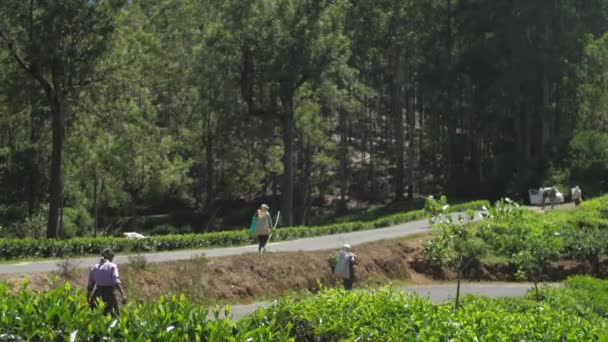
295	42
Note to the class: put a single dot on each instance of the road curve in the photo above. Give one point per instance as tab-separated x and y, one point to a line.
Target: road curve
308	244
436	293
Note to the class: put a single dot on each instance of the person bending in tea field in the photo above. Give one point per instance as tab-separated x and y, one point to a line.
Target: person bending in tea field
103	281
345	267
262	227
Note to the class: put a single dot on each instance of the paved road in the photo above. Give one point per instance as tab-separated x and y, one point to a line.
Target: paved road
436	293
307	244
562	206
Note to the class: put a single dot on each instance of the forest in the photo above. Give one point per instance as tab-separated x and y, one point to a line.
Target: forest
185	115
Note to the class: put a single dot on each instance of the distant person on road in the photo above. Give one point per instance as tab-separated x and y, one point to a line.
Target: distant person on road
551	194
345	267
262	227
103	281
577	196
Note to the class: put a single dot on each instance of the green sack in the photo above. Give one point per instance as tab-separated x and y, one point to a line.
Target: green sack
253	223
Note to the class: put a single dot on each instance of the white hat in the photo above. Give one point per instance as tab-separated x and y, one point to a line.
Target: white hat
346	246
264	206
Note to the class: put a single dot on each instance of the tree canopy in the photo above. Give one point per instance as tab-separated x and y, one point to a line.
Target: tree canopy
112	110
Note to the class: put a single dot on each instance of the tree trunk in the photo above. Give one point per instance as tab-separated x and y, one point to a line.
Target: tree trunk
299	196
449	31
35	181
247	71
95	206
56	186
210	163
411	158
448	115
275	190
399	142
476	156
60	228
420	140
342	119
288	172
372	162
35	176
457	303
525	137
307	185
364	136
544	113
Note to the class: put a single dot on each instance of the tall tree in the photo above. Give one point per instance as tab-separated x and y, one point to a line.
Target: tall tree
58	43
298	41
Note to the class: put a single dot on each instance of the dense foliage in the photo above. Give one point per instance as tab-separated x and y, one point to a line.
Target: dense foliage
186	107
63	314
582	296
388	316
576	312
531	241
24	248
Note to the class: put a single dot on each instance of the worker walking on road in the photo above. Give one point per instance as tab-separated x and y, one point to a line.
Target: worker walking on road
345	267
262	227
103	281
577	196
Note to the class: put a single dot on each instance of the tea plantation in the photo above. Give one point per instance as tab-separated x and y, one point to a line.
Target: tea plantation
576	312
531	241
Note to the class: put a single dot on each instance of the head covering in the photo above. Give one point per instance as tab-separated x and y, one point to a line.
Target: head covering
346	247
263	211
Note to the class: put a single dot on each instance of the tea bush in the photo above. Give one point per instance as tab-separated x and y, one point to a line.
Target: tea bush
580	234
581	296
576	312
530	242
63	315
385	315
42	248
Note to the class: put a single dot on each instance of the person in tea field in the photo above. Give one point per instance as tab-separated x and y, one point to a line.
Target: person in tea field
345	267
261	227
103	281
577	196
